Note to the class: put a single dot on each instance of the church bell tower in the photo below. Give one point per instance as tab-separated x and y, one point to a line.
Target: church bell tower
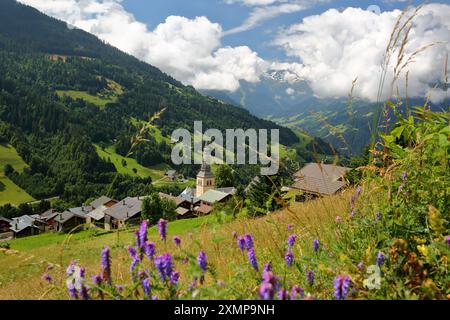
205	180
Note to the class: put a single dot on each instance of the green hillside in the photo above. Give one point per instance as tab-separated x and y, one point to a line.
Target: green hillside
156	172
10	192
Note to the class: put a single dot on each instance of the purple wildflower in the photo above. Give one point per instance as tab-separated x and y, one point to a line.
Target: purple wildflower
143	232
310	277
162	229
378	216
146	287
283	294
338	219
97	279
176	240
291	240
133	265
252	259
266	291
71	268
297	291
289	258
73	293
155	298
353	214
234	234
380	259
202	262
106	265
164	266
132	252
47	277
404	176
248	241
341	284
138	239
150	250
267	268
241	243
447	240
289	226
174	278
360	266
84	293
358	190
185	260
316	245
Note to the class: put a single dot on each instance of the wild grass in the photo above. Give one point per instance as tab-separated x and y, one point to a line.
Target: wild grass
20	276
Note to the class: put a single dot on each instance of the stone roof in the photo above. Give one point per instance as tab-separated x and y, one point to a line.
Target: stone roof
68	215
319	178
100	201
21	223
49	214
213	196
203	209
125	209
98	214
177	200
321	186
182	211
321	170
81	211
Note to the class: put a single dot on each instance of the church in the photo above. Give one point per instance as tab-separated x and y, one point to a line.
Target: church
200	200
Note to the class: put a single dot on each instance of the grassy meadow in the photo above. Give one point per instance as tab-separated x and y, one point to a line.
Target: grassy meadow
27	259
9	191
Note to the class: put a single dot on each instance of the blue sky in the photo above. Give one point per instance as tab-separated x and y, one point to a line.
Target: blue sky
218	44
154	12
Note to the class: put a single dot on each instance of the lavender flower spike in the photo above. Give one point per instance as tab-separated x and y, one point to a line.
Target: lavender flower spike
143	233
150	250
316	245
106	265
291	240
380	259
241	243
146	287
164	266
447	240
202	261
248	241
341	284
176	240
252	259
289	258
162	229
297	291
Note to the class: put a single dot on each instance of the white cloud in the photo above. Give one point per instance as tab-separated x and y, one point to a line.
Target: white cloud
188	49
290	91
261	14
335	47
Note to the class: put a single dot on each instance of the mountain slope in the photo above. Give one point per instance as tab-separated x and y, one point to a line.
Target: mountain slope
63	90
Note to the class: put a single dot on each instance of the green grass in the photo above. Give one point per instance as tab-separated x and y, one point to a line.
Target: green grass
97	100
9	191
109	95
155	172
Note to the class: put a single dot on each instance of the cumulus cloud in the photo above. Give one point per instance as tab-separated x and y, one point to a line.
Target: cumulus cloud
335	47
188	49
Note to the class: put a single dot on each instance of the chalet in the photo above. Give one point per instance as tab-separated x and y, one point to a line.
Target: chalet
69	220
49	217
127	211
173	175
96	217
319	179
26	226
5	225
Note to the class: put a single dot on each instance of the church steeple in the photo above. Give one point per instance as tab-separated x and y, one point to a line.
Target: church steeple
205	179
